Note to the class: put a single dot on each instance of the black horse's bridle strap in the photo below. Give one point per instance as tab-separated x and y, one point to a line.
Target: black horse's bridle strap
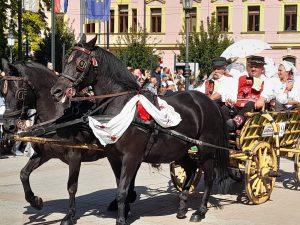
13	114
68	77
12	78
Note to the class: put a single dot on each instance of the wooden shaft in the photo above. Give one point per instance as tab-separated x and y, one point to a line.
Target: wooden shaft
57	143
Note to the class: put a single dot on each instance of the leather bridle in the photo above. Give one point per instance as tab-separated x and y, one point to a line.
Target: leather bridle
82	66
21	95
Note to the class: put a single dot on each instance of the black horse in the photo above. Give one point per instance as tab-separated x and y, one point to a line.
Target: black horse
32	90
89	65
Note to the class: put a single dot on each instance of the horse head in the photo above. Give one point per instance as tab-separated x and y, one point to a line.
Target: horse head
89	65
77	73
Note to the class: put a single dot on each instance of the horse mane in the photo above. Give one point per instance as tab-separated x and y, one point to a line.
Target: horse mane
111	67
36	72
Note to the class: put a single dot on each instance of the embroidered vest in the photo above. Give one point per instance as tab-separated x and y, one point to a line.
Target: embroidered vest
247	90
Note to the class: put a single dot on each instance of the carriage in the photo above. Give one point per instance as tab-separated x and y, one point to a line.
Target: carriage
256	151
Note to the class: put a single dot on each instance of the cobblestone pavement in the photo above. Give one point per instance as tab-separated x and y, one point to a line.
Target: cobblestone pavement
157	203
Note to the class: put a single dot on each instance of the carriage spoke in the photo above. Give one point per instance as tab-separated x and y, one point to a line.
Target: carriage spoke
265	154
257	189
255	183
253	176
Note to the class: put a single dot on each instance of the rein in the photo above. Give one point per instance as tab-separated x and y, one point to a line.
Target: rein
102	96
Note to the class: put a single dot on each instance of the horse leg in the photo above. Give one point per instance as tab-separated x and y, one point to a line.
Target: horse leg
189	167
129	170
131	197
33	163
74	169
208	169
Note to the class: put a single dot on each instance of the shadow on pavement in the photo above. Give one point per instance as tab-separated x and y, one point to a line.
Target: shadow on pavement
151	202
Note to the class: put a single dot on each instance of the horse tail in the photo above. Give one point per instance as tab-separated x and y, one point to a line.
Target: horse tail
222	158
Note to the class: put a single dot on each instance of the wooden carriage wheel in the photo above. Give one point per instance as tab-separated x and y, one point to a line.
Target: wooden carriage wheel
297	167
259	185
178	177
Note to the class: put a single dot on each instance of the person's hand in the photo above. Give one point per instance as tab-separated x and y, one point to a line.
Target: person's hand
229	102
289	86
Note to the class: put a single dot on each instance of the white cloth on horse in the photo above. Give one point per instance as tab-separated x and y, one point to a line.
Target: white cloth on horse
110	132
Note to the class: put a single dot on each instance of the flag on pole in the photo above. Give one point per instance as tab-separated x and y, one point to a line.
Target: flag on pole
60	6
31	5
98	9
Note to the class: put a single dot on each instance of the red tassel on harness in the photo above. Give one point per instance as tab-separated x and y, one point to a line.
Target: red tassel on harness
144	115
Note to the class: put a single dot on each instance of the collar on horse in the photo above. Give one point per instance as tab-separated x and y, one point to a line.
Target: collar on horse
83	66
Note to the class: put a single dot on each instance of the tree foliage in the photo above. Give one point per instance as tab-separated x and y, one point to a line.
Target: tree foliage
3	26
64	35
206	45
137	52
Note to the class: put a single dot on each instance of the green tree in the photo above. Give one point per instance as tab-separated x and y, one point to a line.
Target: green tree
136	53
205	45
3	26
64	35
33	24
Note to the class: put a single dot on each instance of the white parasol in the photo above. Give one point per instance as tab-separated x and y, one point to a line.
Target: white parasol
244	48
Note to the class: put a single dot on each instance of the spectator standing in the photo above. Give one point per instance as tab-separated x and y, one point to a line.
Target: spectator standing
170	89
157	73
153	85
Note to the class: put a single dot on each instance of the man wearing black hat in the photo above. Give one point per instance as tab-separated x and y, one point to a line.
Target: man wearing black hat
213	85
250	94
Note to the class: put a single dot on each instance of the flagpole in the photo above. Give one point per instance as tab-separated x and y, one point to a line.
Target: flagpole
52	35
20	42
81	16
107	35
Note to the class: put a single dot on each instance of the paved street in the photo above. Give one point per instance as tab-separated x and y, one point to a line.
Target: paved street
157	203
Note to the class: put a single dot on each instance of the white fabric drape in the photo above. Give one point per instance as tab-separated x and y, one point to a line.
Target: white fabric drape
110	132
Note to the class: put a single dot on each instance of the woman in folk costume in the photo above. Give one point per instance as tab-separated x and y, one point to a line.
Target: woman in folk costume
252	89
286	88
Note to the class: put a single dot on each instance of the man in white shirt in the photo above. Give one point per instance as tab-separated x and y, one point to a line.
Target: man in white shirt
251	92
216	87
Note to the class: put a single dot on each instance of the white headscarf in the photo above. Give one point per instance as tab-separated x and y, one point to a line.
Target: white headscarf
288	66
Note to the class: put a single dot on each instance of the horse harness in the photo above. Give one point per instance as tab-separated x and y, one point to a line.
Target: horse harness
83	66
22	95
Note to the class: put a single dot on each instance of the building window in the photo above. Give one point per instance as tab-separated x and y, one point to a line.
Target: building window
290	59
134	20
253	18
290	18
193	19
90	28
112	21
156	20
222	18
123	18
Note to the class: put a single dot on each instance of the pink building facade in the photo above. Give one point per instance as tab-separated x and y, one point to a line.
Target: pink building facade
274	21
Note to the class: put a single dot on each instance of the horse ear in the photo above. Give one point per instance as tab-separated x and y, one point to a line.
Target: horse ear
92	42
82	39
5	65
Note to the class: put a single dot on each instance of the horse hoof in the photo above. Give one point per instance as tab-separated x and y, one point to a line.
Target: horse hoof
121	222
37	203
196	217
113	206
67	222
181	213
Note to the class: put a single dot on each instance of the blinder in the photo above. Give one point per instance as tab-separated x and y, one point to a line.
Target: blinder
82	66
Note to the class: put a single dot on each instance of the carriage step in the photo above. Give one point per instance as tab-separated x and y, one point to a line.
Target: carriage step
274	174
